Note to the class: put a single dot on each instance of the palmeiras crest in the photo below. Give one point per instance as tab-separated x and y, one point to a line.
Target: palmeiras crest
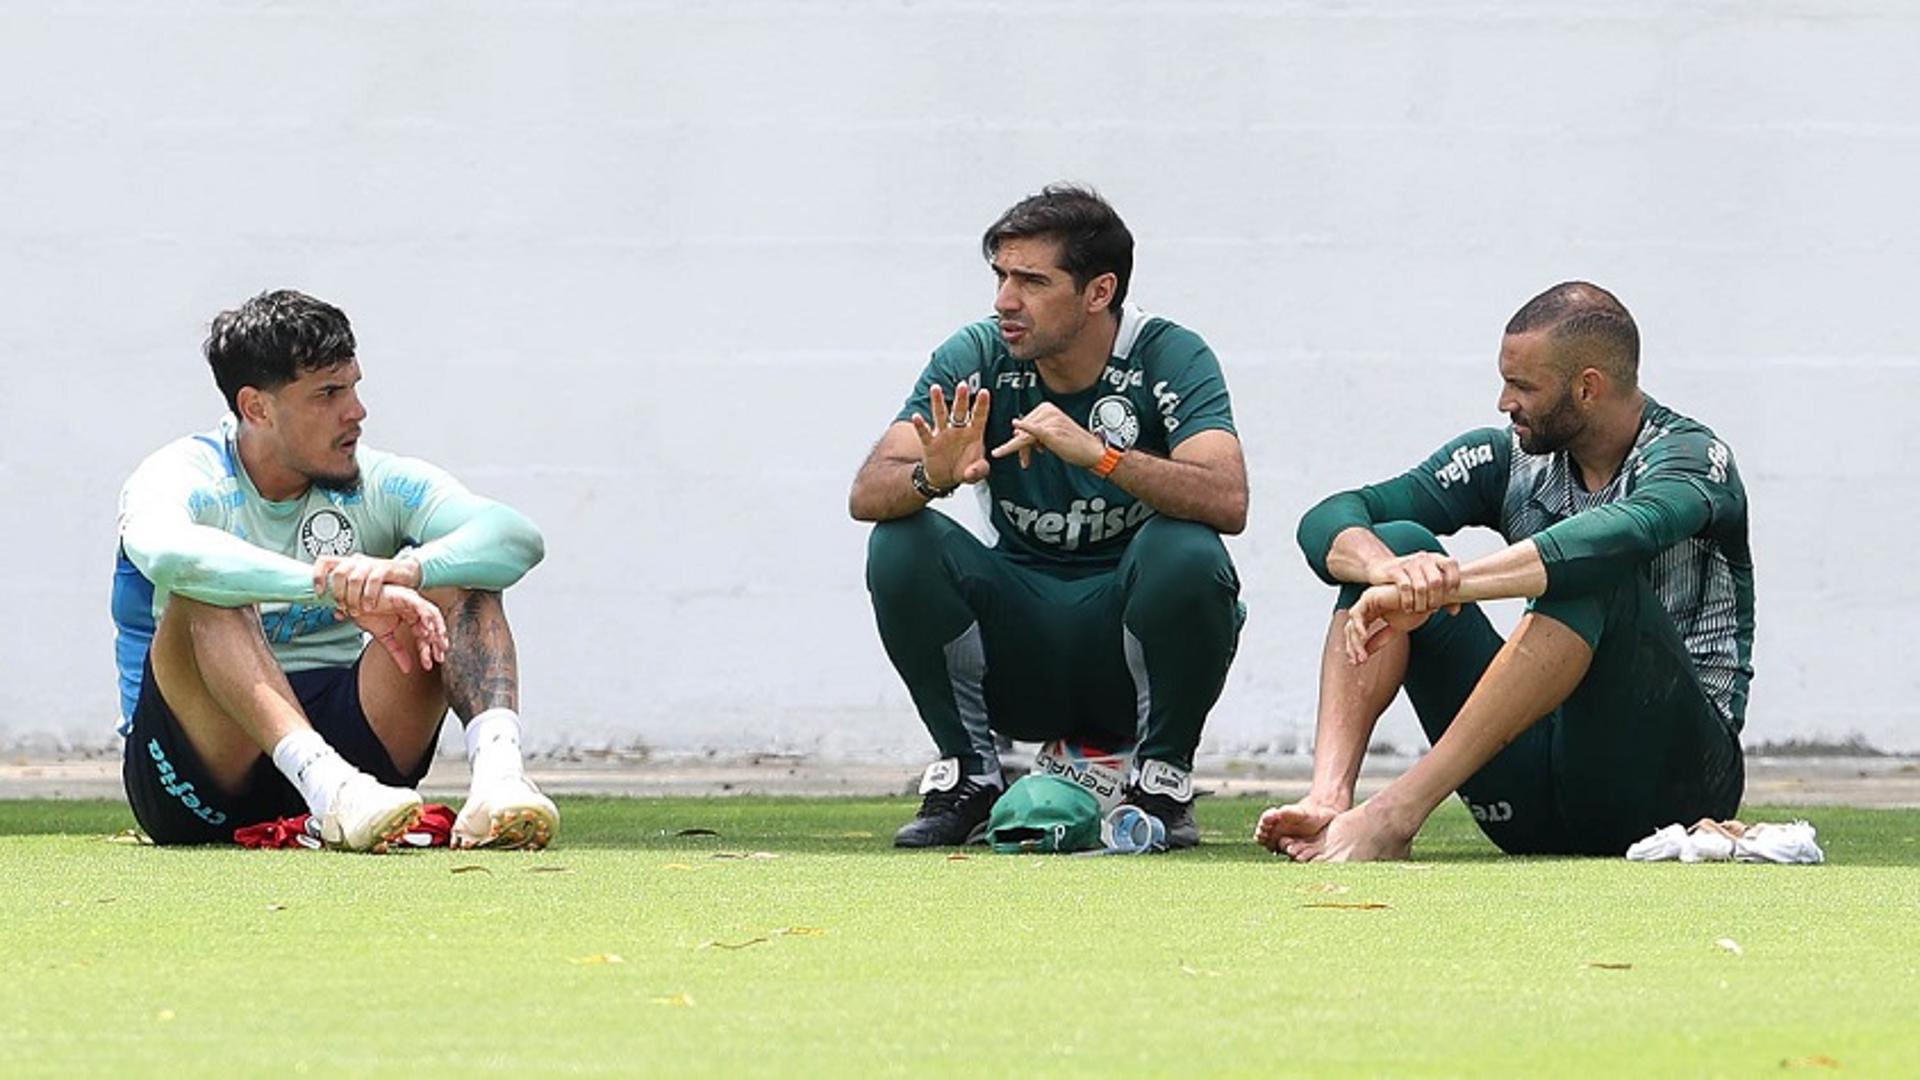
1114	420
326	532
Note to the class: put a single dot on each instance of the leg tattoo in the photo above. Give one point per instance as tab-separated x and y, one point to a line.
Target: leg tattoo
482	670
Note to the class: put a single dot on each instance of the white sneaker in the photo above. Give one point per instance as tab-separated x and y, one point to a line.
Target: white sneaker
1663	845
506	812
367	815
1795	843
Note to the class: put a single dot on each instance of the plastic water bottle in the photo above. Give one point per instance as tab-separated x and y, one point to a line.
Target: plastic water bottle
1130	830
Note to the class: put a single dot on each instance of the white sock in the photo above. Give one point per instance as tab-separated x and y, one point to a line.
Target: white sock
990	779
493	745
315	768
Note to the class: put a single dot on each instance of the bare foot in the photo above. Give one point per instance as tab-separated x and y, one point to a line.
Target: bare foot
1358	835
1298	821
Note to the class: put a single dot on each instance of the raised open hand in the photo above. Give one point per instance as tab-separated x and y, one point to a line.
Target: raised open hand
953	445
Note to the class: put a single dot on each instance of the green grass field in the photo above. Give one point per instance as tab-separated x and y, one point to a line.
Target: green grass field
797	942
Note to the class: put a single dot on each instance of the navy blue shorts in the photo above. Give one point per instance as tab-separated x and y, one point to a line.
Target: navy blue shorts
175	801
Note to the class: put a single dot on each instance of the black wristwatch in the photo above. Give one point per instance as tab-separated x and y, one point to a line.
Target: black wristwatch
925	486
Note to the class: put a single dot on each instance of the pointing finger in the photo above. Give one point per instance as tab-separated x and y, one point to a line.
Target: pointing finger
1019	443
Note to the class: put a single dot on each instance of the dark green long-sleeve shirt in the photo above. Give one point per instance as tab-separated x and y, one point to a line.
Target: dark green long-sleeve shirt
1676	509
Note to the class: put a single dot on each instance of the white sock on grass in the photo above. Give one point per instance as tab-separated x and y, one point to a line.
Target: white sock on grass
315	768
493	745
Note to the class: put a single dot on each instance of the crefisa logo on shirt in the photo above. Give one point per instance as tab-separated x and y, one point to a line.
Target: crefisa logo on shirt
326	532
1114	420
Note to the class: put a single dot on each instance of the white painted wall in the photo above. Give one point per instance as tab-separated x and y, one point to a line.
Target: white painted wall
659	273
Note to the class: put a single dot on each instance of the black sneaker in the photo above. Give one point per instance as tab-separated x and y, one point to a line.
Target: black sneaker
1166	793
953	810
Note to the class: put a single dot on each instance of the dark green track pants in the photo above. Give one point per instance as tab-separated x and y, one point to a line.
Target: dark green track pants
1636	746
986	644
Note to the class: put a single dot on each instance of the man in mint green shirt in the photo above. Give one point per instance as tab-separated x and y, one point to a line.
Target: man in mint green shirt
1616	706
295	612
1101	443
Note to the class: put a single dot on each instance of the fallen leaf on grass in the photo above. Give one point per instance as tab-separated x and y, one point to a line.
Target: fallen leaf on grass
697	832
743	855
1605	966
1364	905
276	907
105	899
731	945
800	931
677	1001
1325	887
1731	946
469	868
1817	1061
597	958
956	857
129	836
549	869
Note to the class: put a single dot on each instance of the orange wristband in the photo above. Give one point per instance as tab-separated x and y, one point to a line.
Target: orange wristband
1109	461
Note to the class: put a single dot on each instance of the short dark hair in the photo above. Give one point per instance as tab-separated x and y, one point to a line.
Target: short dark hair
1589	327
272	339
1093	239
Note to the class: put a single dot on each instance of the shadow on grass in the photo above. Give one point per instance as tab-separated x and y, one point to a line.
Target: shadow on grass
702	827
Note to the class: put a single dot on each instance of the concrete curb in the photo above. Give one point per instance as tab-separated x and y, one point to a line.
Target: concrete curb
1810	781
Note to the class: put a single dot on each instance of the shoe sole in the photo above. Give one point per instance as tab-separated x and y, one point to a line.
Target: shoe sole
528	828
395	826
977	836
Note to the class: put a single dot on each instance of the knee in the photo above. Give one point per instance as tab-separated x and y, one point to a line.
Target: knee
1170	558
1610	610
899	553
185	607
202	619
452	598
1407	537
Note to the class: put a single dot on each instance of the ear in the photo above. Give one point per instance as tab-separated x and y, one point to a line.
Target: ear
1100	292
1591	384
254	406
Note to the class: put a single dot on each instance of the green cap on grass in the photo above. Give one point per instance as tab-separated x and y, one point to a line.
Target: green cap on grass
1044	813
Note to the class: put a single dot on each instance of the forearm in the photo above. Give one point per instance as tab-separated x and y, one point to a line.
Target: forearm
491	547
883	490
1337	536
1515	571
1354	553
205	564
1322	530
1208	494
